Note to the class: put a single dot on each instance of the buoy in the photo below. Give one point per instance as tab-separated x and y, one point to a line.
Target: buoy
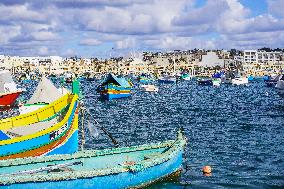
207	170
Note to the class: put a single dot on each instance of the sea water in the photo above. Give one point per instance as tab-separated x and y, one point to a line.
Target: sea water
237	130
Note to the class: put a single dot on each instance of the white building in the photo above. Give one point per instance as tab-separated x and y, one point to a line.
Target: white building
254	56
211	59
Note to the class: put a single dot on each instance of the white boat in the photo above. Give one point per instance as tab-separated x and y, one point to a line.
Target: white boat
240	81
216	82
150	88
167	79
280	86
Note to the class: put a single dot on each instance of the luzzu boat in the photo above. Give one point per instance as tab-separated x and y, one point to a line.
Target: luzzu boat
126	167
114	87
51	129
144	79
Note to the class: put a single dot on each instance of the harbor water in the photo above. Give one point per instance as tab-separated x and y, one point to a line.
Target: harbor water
237	130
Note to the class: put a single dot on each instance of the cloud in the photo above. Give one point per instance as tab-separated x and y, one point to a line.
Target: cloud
43	51
31	27
275	7
69	53
127	43
90	42
204	15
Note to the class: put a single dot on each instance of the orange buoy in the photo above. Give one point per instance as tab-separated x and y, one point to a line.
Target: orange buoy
207	170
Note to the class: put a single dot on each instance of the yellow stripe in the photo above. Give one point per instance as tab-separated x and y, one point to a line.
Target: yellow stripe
36	116
46	131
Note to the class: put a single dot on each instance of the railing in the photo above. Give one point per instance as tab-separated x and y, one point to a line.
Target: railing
38	115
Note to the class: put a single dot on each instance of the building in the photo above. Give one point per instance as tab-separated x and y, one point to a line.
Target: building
254	56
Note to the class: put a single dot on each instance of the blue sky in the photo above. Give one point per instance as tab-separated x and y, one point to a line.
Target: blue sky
104	28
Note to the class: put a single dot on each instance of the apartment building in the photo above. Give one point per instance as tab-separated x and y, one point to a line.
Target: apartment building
255	56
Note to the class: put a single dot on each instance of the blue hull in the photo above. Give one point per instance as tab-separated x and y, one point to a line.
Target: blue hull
115	96
205	82
166	81
70	147
121	180
125	167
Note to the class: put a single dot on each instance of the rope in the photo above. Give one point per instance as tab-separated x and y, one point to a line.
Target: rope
113	140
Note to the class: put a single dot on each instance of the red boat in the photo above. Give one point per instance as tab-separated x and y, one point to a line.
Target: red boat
8	99
8	89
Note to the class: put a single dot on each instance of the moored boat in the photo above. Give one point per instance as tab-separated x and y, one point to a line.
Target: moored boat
143	78
251	78
8	89
205	81
240	81
216	82
186	77
114	87
280	86
167	79
126	167
52	129
272	80
150	88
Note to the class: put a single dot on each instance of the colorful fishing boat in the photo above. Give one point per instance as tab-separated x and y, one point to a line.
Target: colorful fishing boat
114	87
143	78
125	167
8	89
51	129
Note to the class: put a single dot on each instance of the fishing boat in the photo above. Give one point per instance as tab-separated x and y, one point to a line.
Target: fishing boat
150	88
44	94
51	129
114	87
68	77
272	80
240	80
186	77
143	78
167	79
251	78
90	76
124	167
8	89
205	81
216	82
280	86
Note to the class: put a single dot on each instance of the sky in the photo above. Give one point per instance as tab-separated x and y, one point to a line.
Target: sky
107	28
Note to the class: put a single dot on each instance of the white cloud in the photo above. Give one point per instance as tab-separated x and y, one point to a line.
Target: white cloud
69	53
90	42
127	43
43	51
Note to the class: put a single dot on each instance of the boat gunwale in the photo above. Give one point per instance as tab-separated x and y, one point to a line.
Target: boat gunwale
175	146
27	115
45	131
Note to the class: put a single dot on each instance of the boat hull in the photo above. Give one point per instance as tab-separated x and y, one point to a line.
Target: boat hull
114	92
166	81
105	168
9	99
117	181
61	138
110	96
205	82
240	81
